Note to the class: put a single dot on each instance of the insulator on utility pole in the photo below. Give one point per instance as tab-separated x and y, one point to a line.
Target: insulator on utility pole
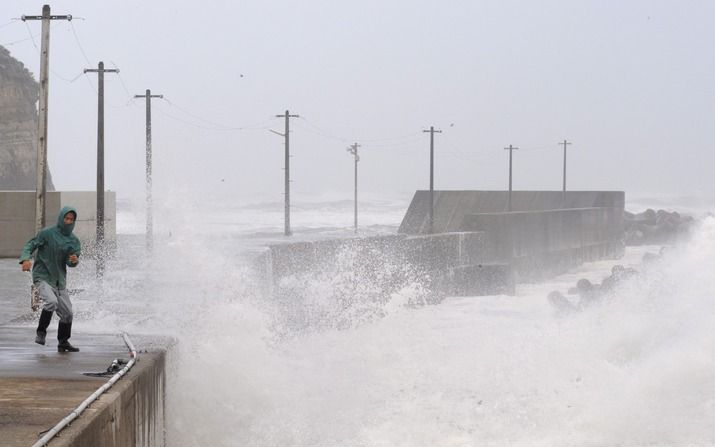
149	199
41	174
100	70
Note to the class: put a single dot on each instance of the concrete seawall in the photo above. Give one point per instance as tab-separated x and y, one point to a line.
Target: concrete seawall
451	207
540	244
131	413
39	387
448	264
477	247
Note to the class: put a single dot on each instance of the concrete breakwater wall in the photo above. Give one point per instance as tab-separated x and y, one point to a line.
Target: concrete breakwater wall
540	244
493	251
451	207
374	267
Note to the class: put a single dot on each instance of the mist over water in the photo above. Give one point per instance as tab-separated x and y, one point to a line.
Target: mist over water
637	369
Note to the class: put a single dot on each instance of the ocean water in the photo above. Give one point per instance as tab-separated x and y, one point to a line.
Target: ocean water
635	370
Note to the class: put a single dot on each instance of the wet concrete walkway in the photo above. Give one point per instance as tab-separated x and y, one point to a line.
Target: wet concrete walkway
14	290
39	386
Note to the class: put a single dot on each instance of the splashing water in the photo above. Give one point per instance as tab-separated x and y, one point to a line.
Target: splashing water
635	370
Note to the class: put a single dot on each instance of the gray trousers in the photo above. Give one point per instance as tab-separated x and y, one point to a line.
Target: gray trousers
55	300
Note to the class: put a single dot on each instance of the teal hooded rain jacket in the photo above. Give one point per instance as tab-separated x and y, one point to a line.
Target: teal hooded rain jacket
54	246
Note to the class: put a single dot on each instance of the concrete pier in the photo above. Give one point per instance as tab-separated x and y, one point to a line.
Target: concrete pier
39	387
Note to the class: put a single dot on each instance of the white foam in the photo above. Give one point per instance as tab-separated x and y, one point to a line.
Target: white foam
635	370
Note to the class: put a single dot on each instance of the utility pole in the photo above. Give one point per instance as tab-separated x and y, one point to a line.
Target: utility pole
563	193
353	149
286	135
510	149
100	70
149	201
41	183
431	176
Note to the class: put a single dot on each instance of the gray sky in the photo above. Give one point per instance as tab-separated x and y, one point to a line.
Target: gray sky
629	83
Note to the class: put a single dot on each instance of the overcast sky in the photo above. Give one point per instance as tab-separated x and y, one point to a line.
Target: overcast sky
630	84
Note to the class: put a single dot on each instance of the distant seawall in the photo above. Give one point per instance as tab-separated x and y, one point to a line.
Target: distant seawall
539	244
448	264
477	247
452	207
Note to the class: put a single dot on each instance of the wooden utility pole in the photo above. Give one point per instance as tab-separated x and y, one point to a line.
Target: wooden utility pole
41	183
510	149
286	135
353	149
563	193
100	70
149	199
431	176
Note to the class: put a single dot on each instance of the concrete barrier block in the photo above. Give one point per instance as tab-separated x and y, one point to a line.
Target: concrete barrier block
17	217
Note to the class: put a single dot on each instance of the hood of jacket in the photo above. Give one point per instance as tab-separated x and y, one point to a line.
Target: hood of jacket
64	228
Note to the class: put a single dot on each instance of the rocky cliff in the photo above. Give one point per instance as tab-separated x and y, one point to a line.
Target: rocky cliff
18	125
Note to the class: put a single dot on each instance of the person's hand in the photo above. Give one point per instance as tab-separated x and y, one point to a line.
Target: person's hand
73	259
26	265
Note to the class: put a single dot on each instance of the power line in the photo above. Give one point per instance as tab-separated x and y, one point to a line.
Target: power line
79	45
215	126
21	40
219	129
124	86
34	44
84	55
320	131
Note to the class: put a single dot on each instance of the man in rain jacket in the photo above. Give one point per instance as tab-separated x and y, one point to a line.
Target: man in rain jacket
56	248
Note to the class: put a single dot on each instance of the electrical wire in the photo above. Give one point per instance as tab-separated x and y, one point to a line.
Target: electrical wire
34	44
84	54
220	129
130	97
213	124
79	44
317	130
23	40
8	23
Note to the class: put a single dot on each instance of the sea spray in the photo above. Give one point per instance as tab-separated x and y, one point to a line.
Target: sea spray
636	369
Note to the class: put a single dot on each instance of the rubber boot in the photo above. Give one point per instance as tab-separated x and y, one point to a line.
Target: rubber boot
45	318
64	332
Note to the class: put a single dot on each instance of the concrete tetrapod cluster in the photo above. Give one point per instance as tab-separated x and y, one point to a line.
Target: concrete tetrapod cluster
655	227
589	293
